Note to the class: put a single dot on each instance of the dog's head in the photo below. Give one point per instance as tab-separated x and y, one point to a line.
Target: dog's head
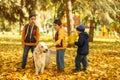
43	47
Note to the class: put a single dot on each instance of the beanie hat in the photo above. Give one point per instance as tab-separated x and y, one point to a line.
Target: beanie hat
81	28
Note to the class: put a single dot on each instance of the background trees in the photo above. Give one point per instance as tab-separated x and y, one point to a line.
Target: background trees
14	13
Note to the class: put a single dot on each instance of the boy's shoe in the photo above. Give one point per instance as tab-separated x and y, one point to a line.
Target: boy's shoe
60	70
23	67
84	69
75	70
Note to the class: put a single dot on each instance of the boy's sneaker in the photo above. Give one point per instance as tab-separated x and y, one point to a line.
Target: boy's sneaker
75	70
60	70
84	69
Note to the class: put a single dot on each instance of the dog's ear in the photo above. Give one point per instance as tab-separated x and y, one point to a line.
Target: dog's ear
39	47
36	53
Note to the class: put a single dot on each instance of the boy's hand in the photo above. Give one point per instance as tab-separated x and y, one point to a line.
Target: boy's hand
75	43
53	45
22	45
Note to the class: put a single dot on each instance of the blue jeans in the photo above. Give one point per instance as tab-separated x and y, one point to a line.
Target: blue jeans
60	59
25	54
81	59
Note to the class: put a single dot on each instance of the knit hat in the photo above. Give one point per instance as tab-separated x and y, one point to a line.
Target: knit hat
81	28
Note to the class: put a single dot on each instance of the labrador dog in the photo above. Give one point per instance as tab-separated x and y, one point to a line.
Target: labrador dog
41	57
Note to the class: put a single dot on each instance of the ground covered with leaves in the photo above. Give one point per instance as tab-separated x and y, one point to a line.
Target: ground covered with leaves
103	59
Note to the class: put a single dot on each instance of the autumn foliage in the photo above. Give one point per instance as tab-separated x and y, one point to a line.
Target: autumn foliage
103	58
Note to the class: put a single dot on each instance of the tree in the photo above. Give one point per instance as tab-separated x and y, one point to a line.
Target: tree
18	10
70	25
104	11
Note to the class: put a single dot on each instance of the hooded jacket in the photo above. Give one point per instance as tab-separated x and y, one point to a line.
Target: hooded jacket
82	43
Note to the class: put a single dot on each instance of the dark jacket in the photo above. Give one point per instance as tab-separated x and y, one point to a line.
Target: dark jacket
82	43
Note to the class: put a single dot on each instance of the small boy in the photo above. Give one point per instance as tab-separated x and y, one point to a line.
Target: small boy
83	49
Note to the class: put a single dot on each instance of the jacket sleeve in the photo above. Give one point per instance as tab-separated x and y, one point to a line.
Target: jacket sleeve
37	36
23	35
80	42
61	34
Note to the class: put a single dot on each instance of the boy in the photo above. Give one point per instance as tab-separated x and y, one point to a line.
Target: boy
83	49
30	38
60	43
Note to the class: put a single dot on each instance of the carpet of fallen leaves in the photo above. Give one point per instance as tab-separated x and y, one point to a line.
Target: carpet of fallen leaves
103	58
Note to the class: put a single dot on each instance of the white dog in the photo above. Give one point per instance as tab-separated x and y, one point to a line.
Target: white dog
41	57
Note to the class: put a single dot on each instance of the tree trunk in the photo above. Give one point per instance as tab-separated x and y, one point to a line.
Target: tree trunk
3	26
20	23
91	31
70	25
21	18
33	8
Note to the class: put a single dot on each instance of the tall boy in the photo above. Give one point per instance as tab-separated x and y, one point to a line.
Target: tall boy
30	38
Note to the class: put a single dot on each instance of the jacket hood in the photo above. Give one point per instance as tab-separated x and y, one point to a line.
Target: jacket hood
84	34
